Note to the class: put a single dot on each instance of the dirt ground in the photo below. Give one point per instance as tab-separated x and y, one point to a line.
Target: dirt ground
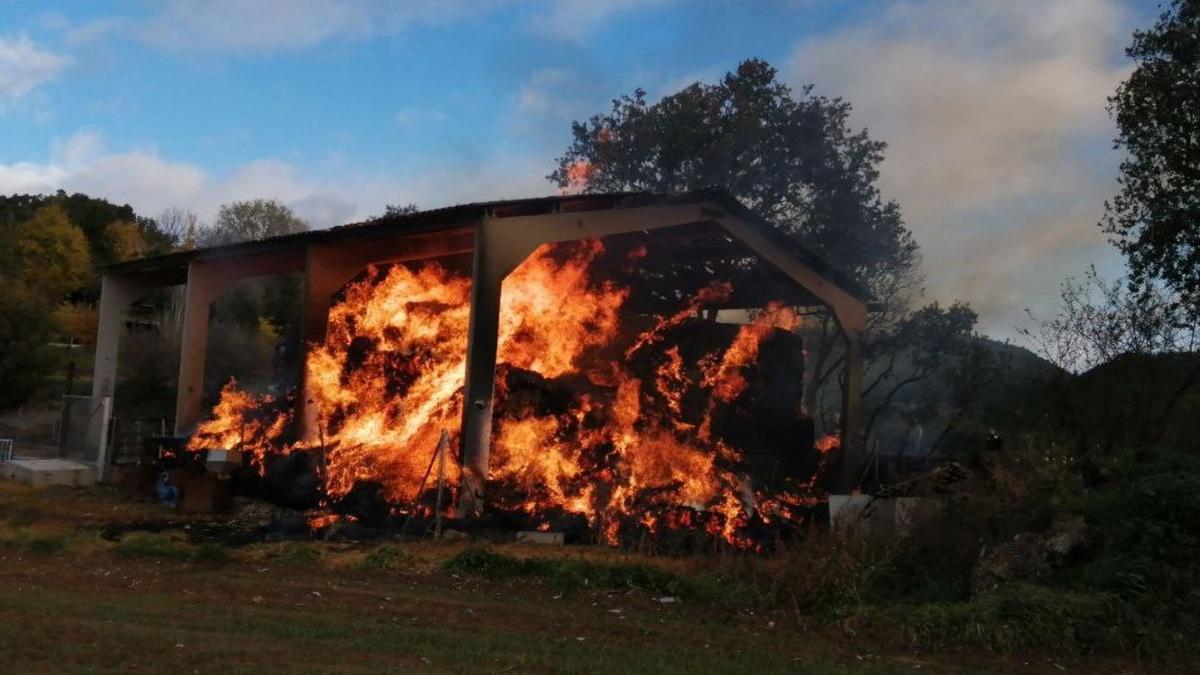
72	600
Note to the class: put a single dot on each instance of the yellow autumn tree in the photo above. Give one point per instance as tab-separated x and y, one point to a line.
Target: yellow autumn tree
42	260
125	240
46	254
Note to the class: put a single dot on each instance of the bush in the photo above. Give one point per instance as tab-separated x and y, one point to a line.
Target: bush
1148	521
25	328
1014	616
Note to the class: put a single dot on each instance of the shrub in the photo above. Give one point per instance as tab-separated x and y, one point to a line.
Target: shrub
1013	616
1148	522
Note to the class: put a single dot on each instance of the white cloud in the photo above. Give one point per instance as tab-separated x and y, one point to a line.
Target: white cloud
244	26
280	25
412	116
548	92
574	20
985	107
151	183
95	30
25	66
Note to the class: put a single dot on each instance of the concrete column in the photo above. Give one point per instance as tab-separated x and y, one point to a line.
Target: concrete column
202	289
487	275
116	294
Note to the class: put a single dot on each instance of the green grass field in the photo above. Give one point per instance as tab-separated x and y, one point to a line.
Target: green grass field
71	601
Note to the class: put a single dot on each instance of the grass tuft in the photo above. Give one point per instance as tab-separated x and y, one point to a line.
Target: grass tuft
576	574
1011	617
164	547
296	553
211	553
388	557
46	545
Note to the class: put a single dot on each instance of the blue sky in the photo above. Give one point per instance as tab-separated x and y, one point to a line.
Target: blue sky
999	150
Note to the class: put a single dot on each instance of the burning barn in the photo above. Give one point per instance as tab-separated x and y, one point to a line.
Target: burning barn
569	347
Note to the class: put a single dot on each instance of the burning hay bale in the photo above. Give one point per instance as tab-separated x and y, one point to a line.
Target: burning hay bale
610	427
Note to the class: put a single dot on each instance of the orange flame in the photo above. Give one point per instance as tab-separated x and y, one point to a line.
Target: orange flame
389	378
579	176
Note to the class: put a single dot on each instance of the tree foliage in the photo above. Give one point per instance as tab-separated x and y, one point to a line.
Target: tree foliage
792	159
42	260
125	240
93	217
1155	219
1100	320
251	220
401	209
928	342
46	253
1134	349
258	302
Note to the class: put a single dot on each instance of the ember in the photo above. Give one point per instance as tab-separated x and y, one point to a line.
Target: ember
635	426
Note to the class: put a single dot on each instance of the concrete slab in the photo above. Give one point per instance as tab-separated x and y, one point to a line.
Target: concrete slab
41	473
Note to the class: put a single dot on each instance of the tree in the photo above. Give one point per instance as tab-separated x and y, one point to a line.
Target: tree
1155	219
401	209
125	240
251	220
921	345
1135	349
180	226
42	259
791	158
46	253
1100	320
93	217
276	300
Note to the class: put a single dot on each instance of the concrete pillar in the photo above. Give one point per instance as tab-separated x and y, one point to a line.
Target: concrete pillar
202	288
116	294
487	275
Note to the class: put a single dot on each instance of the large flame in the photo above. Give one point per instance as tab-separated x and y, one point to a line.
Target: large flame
602	443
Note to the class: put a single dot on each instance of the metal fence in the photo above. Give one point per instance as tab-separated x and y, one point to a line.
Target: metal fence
126	436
